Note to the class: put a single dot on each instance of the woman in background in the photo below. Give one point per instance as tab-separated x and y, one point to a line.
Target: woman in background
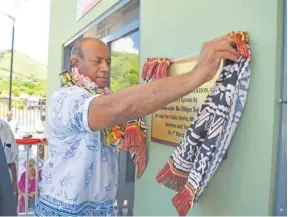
31	186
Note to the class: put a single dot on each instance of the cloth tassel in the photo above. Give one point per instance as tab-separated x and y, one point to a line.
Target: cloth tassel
147	66
135	142
162	69
157	72
144	69
155	68
133	137
141	162
243	49
151	68
241	40
183	200
150	62
170	179
132	149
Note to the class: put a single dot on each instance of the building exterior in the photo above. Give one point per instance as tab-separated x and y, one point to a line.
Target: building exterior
246	182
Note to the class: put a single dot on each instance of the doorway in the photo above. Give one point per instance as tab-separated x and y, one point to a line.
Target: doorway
125	73
280	203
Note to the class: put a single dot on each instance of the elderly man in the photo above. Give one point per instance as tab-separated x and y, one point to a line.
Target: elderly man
13	123
10	149
80	175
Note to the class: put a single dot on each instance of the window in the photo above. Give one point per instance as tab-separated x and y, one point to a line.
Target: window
124	73
125	62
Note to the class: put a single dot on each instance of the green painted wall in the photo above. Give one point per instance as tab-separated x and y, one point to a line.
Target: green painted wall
242	185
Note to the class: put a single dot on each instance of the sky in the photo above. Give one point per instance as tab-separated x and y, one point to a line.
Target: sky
31	27
129	44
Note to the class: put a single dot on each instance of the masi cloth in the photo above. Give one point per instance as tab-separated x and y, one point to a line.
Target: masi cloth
204	145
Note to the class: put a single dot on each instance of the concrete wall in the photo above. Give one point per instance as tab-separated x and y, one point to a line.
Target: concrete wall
242	185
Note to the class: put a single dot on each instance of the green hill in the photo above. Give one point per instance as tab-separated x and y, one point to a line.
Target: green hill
124	70
24	68
29	76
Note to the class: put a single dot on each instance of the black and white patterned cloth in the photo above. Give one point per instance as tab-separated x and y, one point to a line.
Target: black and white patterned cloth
205	143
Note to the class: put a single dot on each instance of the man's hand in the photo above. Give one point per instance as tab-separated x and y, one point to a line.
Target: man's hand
212	53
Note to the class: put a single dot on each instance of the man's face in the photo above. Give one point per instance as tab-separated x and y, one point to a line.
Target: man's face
95	63
9	115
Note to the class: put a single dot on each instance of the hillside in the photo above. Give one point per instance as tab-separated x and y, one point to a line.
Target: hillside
30	76
24	68
124	70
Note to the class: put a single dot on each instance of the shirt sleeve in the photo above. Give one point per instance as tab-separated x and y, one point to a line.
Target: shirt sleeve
70	108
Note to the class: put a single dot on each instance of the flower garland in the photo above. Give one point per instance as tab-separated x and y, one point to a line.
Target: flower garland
112	136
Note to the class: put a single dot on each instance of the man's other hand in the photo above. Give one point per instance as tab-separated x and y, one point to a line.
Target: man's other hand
212	53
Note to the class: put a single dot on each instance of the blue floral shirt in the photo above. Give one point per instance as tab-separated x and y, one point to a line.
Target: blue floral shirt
80	176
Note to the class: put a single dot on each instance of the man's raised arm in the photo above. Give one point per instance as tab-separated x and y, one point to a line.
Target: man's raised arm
140	100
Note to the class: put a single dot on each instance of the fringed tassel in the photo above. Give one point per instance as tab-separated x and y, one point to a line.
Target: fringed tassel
147	66
241	39
141	162
134	137
135	142
183	200
156	68
144	69
243	49
131	149
162	69
152	65
170	177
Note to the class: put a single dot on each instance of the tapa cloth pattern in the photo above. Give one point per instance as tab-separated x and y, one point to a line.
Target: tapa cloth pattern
200	152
